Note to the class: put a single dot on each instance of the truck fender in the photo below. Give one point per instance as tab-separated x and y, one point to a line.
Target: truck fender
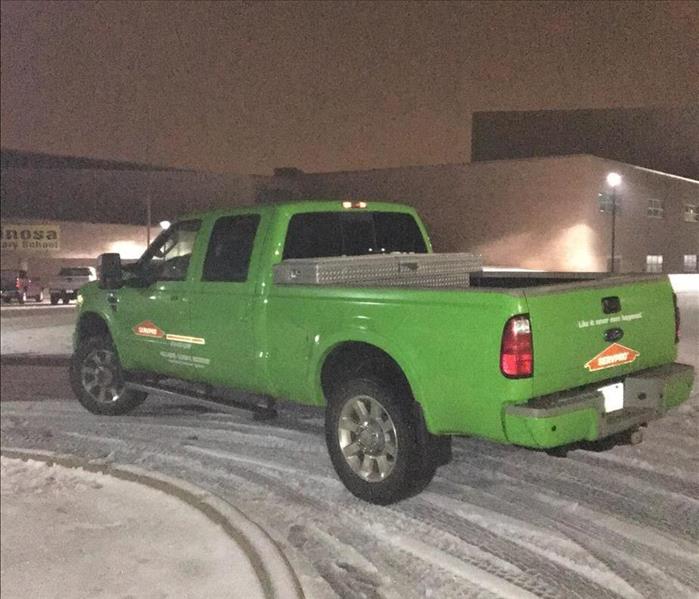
92	324
325	345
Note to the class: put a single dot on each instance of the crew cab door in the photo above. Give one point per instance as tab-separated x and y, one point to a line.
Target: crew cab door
153	307
223	301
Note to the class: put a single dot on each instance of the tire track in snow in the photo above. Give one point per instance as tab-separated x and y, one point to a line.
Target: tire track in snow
607	546
288	485
670	513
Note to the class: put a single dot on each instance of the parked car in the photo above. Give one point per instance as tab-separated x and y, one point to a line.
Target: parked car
65	286
17	285
344	305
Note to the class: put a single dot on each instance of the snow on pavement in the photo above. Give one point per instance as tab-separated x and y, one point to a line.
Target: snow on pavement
499	521
37	330
70	533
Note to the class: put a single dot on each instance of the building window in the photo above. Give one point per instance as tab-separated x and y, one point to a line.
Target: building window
691	213
605	202
656	209
654	263
690	263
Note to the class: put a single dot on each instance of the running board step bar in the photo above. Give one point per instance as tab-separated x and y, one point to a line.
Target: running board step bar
260	412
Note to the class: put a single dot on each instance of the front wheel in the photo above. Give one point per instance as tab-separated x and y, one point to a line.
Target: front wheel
98	381
54	299
371	434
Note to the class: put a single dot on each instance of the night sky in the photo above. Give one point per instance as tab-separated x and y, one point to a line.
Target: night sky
246	87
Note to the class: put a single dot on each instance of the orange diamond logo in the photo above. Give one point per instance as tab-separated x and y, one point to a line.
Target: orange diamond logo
148	329
615	355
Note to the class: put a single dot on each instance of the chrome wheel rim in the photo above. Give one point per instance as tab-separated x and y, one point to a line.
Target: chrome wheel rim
100	376
368	438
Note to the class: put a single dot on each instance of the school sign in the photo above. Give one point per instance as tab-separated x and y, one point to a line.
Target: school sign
34	237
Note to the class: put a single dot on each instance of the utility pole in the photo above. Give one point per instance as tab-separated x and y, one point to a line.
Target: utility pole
613	226
613	180
148	219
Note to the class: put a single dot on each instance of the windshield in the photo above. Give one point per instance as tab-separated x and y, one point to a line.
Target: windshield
329	234
74	272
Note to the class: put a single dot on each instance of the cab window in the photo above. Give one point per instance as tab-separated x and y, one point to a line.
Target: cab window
230	248
167	259
330	234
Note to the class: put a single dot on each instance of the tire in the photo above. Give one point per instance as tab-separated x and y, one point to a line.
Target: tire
6	300
97	379
22	297
39	298
65	299
383	459
54	299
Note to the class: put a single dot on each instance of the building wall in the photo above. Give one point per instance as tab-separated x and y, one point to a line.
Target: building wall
80	244
534	213
537	213
661	138
120	196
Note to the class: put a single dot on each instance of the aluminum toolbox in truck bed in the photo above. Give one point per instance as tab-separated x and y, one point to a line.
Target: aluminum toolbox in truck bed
385	270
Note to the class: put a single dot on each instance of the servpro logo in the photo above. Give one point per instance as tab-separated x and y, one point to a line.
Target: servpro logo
148	329
615	355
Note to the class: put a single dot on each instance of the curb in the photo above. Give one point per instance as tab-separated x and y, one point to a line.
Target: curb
277	578
35	360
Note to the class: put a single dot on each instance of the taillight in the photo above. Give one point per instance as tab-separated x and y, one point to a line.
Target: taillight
516	350
18	283
677	318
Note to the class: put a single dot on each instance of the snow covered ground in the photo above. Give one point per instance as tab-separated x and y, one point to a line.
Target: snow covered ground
69	533
37	329
499	521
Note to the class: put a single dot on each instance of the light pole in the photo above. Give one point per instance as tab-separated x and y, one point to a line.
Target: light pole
613	180
148	219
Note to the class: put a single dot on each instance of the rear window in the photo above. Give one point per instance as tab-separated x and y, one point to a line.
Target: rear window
74	272
328	234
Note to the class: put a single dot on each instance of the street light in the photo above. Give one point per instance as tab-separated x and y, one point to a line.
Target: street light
164	224
613	180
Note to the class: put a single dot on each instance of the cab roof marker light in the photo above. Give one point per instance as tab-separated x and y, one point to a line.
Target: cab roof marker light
354	204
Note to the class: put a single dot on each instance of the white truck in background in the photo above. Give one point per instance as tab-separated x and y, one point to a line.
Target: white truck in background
65	286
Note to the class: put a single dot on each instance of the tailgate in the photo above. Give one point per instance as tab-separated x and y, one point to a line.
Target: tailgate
592	331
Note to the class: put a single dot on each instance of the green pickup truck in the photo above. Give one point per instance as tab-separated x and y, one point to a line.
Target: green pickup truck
247	298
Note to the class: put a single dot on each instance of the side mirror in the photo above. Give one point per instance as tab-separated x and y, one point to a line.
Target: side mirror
109	268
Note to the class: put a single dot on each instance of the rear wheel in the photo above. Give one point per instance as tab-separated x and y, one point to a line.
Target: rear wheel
65	299
54	299
98	381
372	436
22	298
39	298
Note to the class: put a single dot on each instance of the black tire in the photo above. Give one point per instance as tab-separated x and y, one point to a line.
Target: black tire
39	298
6	300
65	299
107	395
54	299
22	297
409	471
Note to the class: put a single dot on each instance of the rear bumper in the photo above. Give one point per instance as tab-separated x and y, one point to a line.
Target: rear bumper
579	415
